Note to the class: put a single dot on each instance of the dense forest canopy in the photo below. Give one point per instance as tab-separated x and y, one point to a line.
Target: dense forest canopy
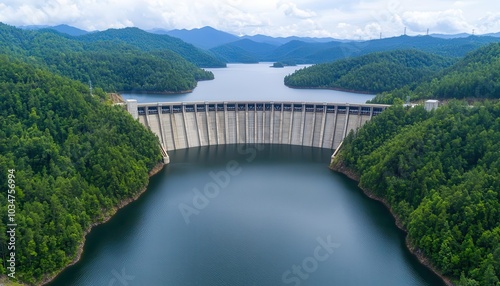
398	75
302	51
440	173
474	76
149	42
110	65
75	159
375	72
243	51
235	54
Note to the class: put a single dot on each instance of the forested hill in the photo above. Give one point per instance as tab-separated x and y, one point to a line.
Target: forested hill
111	65
474	76
301	51
75	159
375	72
439	172
153	42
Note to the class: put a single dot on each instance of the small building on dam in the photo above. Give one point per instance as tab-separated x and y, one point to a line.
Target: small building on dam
181	125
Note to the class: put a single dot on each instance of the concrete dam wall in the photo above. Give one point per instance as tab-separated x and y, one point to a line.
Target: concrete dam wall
181	125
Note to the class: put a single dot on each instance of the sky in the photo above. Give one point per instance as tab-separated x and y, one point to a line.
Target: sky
342	19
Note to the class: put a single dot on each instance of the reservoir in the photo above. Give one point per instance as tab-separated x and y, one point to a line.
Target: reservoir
244	82
249	214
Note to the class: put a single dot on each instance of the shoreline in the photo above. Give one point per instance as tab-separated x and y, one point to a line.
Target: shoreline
155	92
340	168
155	170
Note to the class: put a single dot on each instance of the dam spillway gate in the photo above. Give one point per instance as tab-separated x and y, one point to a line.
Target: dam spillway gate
180	125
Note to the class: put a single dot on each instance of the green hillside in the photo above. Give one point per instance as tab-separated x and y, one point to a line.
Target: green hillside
113	66
439	174
235	54
75	159
327	52
243	51
474	76
375	72
153	42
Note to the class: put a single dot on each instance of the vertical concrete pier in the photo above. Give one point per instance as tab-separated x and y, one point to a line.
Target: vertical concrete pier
180	125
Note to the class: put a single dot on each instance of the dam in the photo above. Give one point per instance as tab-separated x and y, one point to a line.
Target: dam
180	125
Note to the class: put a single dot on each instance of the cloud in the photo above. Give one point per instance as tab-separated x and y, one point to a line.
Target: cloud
291	9
488	23
38	12
448	21
349	19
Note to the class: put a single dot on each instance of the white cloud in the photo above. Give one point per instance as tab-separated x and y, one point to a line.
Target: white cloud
352	19
291	9
488	23
448	21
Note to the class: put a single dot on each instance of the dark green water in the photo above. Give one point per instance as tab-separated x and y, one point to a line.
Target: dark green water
274	215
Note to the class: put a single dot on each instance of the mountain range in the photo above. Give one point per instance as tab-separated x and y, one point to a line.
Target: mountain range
63	28
209	47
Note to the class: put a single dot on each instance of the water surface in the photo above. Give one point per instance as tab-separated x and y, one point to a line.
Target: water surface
253	82
266	210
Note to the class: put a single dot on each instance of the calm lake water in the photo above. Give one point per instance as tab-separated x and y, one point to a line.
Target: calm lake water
252	82
249	215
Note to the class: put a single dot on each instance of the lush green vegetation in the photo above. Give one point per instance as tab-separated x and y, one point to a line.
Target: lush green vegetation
302	51
235	54
439	171
111	65
375	72
243	51
444	47
474	76
75	158
153	42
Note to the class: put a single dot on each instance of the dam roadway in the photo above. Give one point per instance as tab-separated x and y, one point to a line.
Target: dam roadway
180	125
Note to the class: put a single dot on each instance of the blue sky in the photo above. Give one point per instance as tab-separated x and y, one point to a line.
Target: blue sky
331	18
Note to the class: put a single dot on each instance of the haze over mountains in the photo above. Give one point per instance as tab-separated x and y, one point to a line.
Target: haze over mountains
219	46
63	28
208	37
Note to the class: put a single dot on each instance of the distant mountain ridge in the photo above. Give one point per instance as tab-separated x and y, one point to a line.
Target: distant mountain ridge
244	51
63	28
209	47
211	37
208	37
450	36
205	38
300	52
308	50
